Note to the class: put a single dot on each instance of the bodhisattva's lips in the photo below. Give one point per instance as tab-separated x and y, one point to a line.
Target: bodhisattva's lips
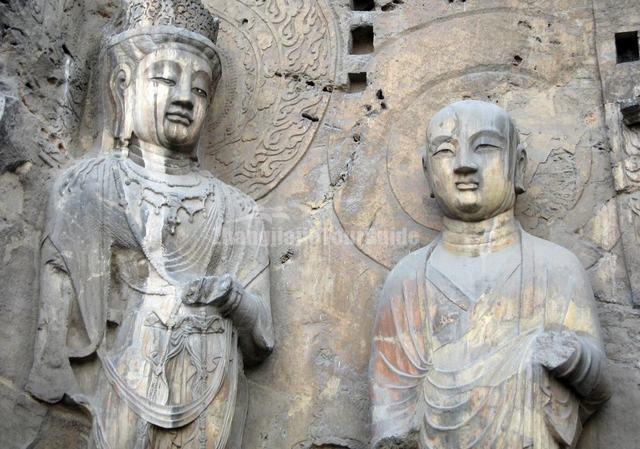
181	117
467	185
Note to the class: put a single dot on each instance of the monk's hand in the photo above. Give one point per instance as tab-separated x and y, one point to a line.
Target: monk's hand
556	350
208	290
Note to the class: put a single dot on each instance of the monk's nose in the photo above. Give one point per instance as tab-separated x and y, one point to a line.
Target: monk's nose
464	165
465	169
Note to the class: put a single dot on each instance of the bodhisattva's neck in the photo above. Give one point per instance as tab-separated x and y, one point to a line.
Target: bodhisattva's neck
483	237
159	159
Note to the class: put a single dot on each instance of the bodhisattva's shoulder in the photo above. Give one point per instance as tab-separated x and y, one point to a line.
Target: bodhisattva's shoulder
243	208
83	178
244	202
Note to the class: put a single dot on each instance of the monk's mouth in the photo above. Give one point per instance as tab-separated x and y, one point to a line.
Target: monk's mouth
467	185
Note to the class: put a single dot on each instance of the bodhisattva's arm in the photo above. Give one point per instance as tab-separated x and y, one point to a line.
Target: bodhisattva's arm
244	299
248	307
51	375
250	310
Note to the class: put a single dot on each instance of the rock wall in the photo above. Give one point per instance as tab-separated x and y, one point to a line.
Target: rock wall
321	116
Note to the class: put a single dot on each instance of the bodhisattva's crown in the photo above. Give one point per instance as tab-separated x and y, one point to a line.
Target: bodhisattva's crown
190	15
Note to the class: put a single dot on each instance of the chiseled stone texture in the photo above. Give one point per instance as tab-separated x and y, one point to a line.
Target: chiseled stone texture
348	171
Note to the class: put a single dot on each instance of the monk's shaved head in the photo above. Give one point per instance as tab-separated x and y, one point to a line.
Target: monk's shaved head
477	115
474	161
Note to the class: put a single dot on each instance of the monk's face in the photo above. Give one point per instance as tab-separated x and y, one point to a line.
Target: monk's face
172	92
470	160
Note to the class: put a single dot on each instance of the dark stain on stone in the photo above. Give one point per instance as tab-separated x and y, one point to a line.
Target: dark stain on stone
286	256
308	116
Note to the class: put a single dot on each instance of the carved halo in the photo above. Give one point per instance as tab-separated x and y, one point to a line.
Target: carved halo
276	59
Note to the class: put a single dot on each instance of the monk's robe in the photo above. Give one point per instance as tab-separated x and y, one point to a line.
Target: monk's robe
121	243
453	372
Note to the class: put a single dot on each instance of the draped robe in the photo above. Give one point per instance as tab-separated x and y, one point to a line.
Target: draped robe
120	246
451	372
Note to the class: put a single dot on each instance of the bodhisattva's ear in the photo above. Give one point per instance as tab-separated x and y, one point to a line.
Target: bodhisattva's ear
119	83
520	169
425	170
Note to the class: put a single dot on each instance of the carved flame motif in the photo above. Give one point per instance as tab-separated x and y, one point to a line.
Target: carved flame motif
632	152
276	57
634	205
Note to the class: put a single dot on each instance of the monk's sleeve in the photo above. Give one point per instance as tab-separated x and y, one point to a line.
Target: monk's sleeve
586	370
398	362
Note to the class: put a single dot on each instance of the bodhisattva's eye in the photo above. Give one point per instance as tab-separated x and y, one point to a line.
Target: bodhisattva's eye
200	92
163	80
201	84
444	149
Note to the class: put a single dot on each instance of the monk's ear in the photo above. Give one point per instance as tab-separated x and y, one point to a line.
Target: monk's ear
520	169
425	170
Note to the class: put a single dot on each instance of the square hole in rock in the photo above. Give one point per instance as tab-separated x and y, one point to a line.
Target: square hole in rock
357	82
363	5
362	40
627	47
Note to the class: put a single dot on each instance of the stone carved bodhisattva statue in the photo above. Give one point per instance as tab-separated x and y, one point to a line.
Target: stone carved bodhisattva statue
154	279
488	337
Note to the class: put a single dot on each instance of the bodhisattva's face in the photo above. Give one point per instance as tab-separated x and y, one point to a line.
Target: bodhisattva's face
470	161
172	90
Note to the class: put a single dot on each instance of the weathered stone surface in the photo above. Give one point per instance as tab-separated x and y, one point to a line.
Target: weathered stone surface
19	411
350	175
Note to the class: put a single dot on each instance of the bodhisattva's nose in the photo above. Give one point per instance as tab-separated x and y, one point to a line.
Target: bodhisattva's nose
464	164
183	95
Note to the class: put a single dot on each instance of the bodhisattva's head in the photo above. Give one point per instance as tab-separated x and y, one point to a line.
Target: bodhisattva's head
163	78
473	162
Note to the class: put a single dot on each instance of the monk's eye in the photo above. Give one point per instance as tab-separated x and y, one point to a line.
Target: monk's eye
444	149
163	80
486	148
199	92
487	145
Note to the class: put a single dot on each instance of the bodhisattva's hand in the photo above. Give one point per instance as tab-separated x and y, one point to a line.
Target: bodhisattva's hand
556	350
209	290
220	292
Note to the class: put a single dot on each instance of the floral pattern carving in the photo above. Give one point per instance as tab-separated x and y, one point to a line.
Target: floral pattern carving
190	15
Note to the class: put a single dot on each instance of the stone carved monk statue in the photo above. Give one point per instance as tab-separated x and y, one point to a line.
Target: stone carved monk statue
154	279
488	337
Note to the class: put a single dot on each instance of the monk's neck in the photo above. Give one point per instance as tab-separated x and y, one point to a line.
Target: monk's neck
160	160
475	239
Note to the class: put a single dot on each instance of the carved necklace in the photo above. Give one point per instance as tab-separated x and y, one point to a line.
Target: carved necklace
188	192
